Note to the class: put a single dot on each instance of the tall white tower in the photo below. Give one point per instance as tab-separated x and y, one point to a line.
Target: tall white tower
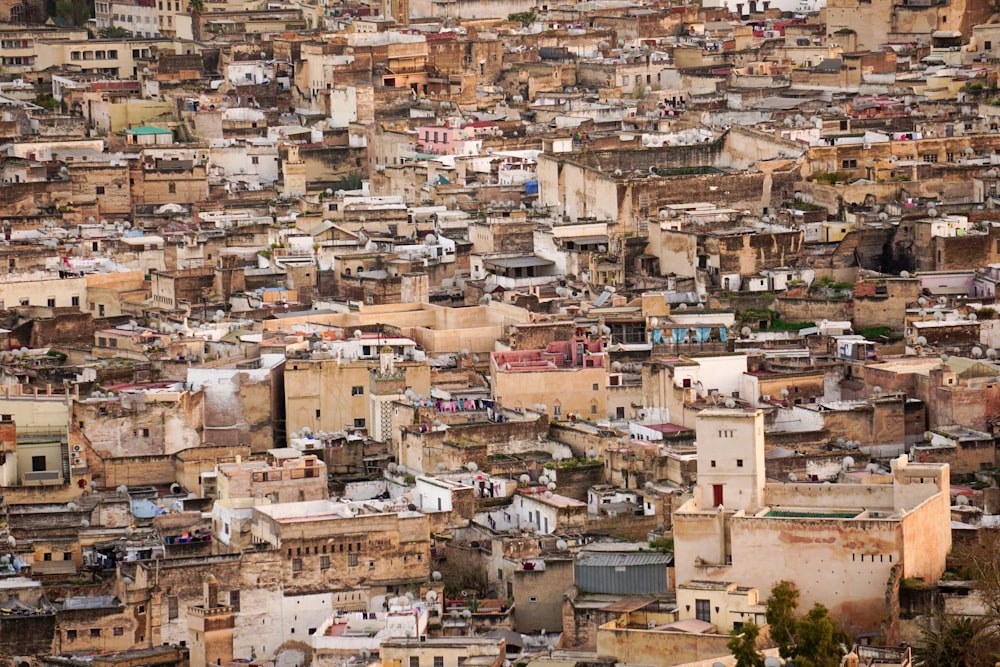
730	458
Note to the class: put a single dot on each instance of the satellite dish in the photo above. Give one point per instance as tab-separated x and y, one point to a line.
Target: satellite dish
876	389
730	403
848	462
792	477
561	545
769	661
435	575
962	501
746	331
543	480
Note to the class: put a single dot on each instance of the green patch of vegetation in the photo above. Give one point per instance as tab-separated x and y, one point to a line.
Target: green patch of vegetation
114	32
664	545
350	182
778	325
524	18
830	284
409	480
46	101
876	332
830	177
802	206
973	86
845	31
986	313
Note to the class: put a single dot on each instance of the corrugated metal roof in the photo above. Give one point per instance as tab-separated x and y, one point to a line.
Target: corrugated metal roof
625	559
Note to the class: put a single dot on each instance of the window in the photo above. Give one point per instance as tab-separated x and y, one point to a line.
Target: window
99	189
357	390
594	386
318	412
988	45
359	423
51	302
930	157
324	562
172	188
532	599
234	600
296	565
37	464
848	164
739	463
703	610
557	410
439	661
75	301
713	463
23	301
95	632
255	160
414	661
371	565
352	560
119	631
67	555
171	607
70	635
47	556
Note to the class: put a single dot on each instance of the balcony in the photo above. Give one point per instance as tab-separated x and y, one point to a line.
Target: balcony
42	478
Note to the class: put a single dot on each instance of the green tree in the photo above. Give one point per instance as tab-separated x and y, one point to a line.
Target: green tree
950	641
46	101
780	616
821	642
524	18
73	12
743	646
815	640
113	32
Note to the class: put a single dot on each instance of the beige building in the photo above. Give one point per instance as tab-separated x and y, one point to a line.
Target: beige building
443	652
285	477
842	544
567	377
340	545
333	389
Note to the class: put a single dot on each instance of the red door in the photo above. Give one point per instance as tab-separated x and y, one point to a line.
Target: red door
716	495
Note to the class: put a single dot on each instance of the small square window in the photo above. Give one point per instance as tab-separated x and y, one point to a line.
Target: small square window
324	562
119	631
713	463
99	189
357	390
95	632
359	423
70	635
296	565
594	386
739	463
352	560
